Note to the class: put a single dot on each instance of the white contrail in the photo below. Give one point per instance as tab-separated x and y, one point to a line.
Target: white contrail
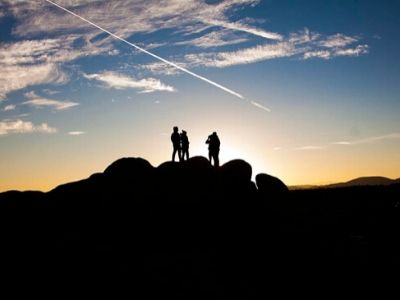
152	54
260	106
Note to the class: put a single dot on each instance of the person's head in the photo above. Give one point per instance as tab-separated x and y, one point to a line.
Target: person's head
214	133
183	132
175	128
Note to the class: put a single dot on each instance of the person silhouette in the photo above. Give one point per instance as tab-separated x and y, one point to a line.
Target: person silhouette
176	143
185	145
213	148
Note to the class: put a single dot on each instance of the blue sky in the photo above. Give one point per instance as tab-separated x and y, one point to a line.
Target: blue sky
73	99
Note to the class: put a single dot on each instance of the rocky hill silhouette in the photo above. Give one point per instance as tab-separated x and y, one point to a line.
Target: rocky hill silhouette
365	181
360	181
191	230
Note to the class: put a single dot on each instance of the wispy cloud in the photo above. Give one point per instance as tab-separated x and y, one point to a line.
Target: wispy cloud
370	140
32	62
341	143
18	77
238	26
57	105
38	61
37	101
357	51
150	46
20	126
9	107
304	36
122	17
309	148
135	46
334	46
338	41
328	54
161	68
22	115
119	81
325	54
303	44
39	51
244	56
51	92
76	133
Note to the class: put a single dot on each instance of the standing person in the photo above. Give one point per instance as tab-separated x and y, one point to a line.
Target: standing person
176	143
213	148
185	145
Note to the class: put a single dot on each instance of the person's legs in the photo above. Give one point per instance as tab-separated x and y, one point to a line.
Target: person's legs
180	154
174	153
210	156
216	159
183	154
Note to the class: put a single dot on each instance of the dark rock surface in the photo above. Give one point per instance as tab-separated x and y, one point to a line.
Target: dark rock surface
190	230
268	184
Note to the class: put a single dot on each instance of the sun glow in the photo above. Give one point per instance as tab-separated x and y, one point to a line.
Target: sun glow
230	152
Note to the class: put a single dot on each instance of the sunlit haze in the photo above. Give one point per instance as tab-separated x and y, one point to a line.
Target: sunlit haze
307	91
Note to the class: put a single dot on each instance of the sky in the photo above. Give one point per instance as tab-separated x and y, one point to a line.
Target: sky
307	91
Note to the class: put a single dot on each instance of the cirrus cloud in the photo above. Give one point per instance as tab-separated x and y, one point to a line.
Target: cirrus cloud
338	40
304	44
125	18
238	26
192	20
243	56
37	101
119	81
33	62
15	77
371	140
20	126
76	133
309	148
9	107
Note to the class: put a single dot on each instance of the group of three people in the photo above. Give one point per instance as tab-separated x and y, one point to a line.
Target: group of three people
180	142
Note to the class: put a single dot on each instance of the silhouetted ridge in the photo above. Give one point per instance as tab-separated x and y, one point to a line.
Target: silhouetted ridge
192	230
372	180
364	181
361	181
195	173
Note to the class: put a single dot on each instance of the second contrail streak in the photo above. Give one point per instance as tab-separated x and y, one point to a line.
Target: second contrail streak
151	54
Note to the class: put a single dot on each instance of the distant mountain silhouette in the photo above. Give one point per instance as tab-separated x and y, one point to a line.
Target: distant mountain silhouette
192	231
302	187
361	181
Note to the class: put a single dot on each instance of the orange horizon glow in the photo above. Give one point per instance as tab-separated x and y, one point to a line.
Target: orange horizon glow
44	177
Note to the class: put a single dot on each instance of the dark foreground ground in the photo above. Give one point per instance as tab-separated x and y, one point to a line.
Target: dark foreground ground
190	231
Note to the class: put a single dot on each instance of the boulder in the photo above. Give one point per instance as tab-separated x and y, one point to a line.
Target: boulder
268	184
